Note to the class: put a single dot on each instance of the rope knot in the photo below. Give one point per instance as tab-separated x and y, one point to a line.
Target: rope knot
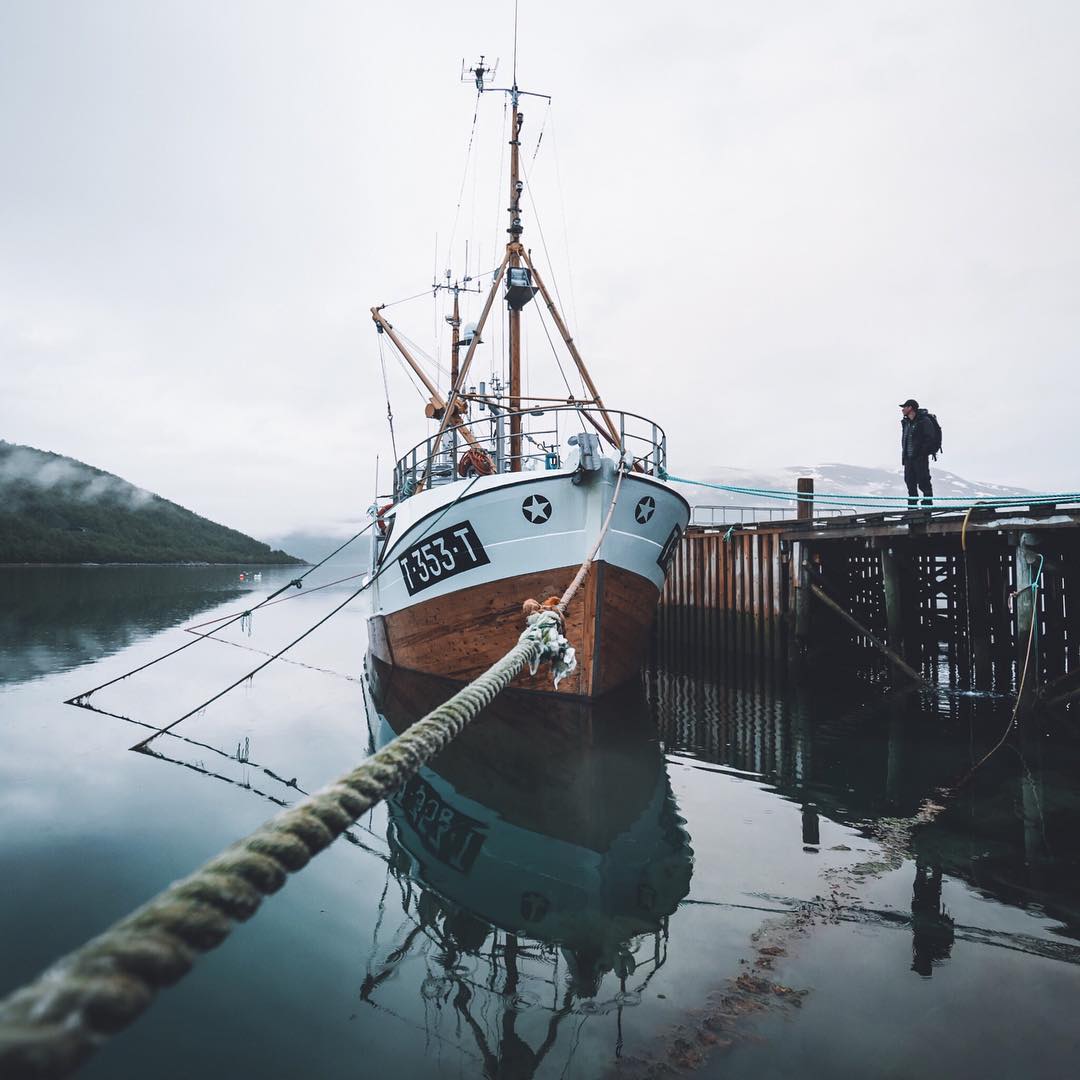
545	628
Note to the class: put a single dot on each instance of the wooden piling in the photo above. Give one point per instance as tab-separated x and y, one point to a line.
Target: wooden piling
805	487
894	599
979	616
1027	645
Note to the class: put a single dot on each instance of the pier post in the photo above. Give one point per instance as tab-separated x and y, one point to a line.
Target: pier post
894	599
1026	560
803	601
805	509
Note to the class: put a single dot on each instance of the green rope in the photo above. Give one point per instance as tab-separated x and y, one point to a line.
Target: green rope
882	502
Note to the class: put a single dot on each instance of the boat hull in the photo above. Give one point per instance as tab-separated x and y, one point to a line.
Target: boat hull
459	626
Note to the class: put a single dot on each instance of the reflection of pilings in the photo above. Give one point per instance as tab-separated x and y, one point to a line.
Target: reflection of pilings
897	705
1032	799
932	931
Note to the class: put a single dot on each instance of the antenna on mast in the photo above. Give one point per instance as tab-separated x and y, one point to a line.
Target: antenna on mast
515	40
479	71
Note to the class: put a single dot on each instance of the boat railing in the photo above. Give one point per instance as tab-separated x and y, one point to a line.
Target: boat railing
720	516
484	445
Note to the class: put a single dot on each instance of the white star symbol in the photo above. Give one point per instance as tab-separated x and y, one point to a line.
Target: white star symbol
537	509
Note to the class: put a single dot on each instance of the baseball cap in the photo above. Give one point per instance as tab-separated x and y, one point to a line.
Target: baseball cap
911	403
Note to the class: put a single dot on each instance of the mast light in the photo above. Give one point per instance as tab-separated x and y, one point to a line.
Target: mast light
519	287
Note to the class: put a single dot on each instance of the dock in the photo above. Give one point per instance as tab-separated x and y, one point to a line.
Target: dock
970	597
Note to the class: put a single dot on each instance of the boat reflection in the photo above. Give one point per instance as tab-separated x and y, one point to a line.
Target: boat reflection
538	862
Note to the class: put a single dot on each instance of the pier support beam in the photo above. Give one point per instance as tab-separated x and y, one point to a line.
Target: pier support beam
803	603
874	640
1027	644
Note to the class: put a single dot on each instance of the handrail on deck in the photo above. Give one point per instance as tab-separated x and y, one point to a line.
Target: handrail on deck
545	430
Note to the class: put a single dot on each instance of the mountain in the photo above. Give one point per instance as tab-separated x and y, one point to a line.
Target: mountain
830	479
54	509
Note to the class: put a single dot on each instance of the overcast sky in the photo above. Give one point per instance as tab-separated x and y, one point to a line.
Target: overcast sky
771	223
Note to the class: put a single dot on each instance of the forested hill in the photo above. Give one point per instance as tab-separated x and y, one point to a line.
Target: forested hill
54	509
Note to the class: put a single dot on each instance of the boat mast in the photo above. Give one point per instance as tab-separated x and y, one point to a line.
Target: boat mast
513	250
455	340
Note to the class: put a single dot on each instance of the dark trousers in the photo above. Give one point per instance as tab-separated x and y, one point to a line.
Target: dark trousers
917	478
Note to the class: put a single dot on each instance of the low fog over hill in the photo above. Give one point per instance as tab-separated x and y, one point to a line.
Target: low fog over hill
54	509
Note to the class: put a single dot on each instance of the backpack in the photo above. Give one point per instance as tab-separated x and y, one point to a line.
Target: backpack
935	439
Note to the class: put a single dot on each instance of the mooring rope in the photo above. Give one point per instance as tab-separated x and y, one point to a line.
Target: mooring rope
81	700
298	582
580	576
50	1026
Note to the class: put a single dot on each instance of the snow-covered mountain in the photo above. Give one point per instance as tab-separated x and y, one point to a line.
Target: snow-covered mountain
829	479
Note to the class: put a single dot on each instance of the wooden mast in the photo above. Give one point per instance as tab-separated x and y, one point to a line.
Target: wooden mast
455	340
514	251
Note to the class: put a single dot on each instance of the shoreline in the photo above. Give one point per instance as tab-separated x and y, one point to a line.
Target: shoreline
95	565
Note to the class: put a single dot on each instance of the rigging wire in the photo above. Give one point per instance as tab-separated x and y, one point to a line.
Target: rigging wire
464	176
566	232
81	700
540	137
410	375
498	190
386	388
555	353
543	239
310	630
404	300
422	354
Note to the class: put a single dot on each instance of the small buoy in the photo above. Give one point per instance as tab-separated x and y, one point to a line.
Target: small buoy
241	577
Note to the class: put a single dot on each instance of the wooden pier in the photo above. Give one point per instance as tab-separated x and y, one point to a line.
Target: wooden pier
943	596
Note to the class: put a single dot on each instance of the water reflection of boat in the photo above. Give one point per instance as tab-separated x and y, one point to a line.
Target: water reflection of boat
545	836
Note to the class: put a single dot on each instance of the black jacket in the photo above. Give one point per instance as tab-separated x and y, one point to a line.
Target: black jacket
916	436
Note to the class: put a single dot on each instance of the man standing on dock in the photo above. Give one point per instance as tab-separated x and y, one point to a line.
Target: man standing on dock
918	440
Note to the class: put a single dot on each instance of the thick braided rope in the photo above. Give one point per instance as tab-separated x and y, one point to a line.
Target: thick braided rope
49	1027
583	570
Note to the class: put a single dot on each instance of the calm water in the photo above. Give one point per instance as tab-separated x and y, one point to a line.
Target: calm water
714	873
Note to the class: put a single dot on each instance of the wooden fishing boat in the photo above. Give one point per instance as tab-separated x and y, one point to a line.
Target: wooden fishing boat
507	498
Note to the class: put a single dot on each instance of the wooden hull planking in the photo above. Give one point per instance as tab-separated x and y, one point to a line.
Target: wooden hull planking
462	634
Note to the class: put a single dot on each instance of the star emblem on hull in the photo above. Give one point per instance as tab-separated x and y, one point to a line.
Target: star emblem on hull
536	509
645	509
